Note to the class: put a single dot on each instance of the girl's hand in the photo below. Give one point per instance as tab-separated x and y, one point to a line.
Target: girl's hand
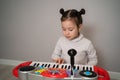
59	60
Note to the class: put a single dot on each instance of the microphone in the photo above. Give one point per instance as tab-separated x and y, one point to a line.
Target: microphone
72	53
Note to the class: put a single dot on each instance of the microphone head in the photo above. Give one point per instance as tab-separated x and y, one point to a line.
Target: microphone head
72	52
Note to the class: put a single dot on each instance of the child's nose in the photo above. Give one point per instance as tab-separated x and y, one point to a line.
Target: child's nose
67	32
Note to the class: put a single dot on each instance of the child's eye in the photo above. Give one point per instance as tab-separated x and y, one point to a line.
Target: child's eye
70	29
63	29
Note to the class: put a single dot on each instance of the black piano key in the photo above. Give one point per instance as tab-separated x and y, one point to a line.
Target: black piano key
62	66
83	68
37	65
34	64
45	65
57	66
65	66
48	65
90	68
77	67
87	68
42	65
69	67
54	66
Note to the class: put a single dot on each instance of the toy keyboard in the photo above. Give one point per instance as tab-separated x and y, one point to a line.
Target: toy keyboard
53	71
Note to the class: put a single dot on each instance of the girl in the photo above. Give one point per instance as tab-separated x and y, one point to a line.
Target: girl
71	22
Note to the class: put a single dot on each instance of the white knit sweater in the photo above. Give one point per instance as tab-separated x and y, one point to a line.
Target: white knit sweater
86	54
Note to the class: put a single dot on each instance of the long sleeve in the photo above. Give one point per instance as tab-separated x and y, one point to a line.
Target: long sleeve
57	51
92	57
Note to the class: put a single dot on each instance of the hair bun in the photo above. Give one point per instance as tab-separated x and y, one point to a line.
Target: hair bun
61	11
82	11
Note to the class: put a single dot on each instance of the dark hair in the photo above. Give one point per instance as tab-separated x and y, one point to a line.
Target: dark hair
72	14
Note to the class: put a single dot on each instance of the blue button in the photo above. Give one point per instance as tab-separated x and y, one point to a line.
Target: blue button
87	73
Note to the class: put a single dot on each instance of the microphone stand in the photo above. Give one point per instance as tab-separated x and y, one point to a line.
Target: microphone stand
72	53
72	73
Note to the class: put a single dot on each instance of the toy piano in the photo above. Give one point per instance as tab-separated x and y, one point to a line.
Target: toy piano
32	70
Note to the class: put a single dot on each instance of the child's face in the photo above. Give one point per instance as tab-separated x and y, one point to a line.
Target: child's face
70	29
